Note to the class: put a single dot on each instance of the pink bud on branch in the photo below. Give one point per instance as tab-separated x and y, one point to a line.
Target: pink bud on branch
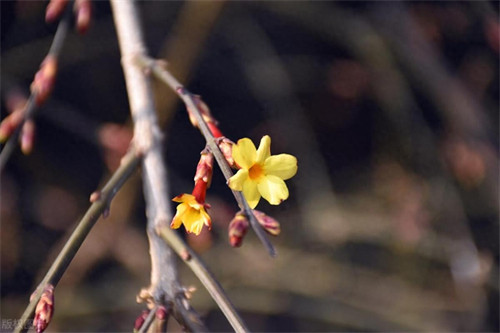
44	80
268	223
83	12
10	123
54	10
139	321
237	229
204	168
44	309
226	148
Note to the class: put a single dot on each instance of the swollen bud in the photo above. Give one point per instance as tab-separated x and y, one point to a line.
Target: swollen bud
226	147
139	321
83	12
268	223
55	8
161	316
44	80
205	167
44	309
203	108
237	229
27	137
10	123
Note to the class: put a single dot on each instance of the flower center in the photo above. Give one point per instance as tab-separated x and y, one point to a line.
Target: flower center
255	172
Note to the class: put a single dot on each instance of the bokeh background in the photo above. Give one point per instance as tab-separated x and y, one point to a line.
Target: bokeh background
390	107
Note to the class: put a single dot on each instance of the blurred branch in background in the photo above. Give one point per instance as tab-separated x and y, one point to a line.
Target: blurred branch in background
23	128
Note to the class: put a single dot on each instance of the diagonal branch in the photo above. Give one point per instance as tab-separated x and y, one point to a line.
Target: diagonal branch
99	206
207	279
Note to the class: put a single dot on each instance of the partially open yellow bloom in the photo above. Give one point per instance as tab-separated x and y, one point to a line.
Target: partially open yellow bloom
260	173
192	213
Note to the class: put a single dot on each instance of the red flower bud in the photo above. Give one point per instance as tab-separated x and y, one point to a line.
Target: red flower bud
204	168
237	229
44	80
139	321
10	123
27	137
55	8
204	110
44	309
226	147
161	313
268	223
83	11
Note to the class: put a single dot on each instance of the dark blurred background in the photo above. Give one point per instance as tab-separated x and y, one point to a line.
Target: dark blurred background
390	107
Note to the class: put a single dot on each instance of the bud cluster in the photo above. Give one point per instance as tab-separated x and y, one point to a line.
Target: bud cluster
239	225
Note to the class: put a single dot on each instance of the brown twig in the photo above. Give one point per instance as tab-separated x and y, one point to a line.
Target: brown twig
101	202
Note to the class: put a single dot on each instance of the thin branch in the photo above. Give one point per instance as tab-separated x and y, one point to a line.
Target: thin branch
31	105
148	321
101	204
195	263
165	76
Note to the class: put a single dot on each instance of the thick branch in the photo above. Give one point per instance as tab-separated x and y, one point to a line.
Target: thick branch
147	139
164	282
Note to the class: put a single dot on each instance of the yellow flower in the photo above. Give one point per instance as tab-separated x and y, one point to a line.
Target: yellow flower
260	173
191	213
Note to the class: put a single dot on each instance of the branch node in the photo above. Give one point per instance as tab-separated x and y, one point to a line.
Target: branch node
145	296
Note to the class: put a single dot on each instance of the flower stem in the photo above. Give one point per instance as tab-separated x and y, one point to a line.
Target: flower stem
166	77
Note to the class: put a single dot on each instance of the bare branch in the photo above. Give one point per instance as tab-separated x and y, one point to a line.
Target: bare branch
101	201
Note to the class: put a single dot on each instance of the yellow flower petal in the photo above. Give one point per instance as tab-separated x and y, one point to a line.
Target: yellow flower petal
251	193
184	198
264	150
244	153
236	181
177	220
206	218
190	216
283	166
195	228
273	189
